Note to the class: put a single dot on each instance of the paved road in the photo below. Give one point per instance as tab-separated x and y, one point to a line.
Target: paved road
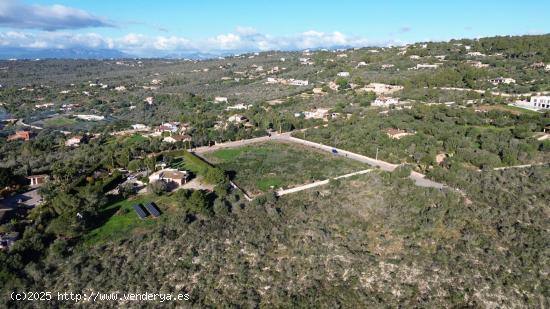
234	144
503	94
519	166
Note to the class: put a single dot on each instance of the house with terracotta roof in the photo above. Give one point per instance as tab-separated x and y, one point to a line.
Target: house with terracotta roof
170	175
20	136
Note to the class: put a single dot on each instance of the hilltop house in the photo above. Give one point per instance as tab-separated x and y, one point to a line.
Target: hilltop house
20	135
220	99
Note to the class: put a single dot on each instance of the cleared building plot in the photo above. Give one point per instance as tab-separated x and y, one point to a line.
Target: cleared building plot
278	165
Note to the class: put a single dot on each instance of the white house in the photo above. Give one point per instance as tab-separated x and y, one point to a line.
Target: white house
237	118
140	127
385	101
540	102
502	80
476	54
380	88
421	66
319	113
149	100
220	99
477	64
120	88
343	74
298	82
238	107
73	141
361	64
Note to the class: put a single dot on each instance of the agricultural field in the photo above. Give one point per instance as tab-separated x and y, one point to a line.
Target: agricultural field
262	167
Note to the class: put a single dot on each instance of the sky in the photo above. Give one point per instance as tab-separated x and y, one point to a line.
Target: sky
149	28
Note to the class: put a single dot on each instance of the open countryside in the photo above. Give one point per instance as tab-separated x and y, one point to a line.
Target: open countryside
275	155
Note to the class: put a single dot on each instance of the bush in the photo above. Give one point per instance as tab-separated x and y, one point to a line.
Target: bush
402	171
158	187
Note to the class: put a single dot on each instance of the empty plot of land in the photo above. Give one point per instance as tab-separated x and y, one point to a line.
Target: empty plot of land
275	165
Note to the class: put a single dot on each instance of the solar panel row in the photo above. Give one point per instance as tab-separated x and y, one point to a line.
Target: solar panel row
144	211
152	209
140	211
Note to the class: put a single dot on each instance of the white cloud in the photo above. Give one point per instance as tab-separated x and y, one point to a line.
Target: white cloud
15	14
244	39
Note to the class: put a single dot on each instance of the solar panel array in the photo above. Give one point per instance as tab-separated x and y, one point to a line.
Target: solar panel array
140	211
152	209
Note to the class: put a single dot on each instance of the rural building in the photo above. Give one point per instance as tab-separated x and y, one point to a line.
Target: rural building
220	99
380	88
37	180
169	127
74	141
297	82
170	175
396	133
477	64
20	135
176	138
476	54
319	113
140	127
421	66
237	118
502	80
343	74
385	101
238	107
540	102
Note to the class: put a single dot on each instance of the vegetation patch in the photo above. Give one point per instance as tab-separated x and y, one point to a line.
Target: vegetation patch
60	122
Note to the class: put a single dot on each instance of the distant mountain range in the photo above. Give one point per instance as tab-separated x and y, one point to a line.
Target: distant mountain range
93	53
58	53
